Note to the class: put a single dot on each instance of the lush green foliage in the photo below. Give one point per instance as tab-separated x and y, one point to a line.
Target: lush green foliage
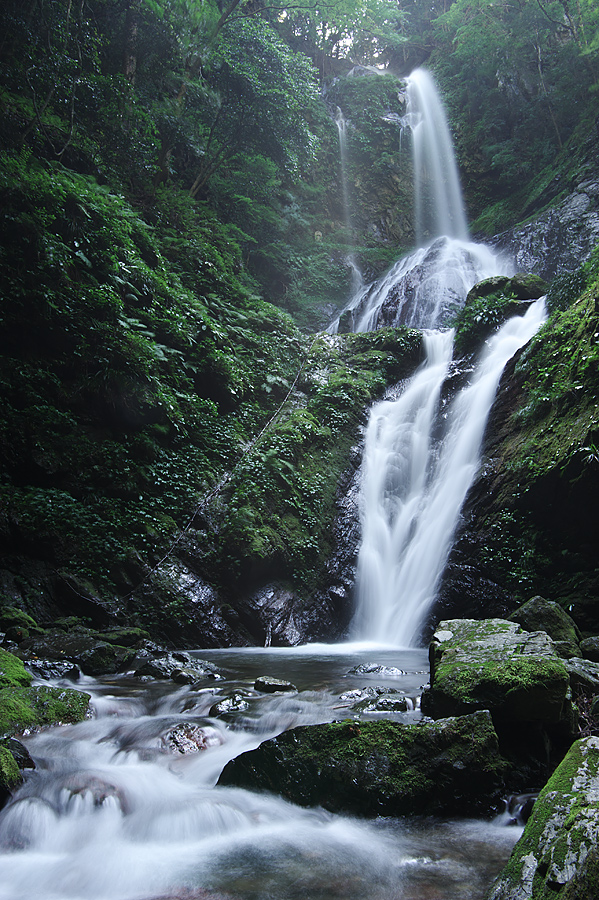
517	78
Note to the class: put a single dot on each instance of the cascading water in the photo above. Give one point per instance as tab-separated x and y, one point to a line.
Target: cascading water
113	810
425	288
340	121
439	209
414	486
414	482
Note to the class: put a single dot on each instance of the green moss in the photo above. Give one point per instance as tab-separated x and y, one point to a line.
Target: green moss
9	771
380	767
12	671
22	708
561	828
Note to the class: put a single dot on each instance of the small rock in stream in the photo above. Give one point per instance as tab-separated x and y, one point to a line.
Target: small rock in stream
189	738
267	685
376	669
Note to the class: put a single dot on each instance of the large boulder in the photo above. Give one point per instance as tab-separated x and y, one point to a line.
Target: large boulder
381	768
493	664
546	615
557	854
517	675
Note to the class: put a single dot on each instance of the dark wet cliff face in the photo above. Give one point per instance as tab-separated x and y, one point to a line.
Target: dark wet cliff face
530	522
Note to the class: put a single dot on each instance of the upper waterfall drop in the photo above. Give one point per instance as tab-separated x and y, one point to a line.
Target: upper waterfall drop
438	202
427	287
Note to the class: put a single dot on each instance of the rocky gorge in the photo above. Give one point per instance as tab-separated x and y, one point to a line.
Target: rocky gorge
188	461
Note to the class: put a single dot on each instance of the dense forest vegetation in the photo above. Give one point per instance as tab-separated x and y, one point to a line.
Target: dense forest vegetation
173	235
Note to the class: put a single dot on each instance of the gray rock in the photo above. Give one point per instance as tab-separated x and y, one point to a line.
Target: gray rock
552	854
493	664
539	614
187	737
232	704
560	238
583	674
267	685
589	648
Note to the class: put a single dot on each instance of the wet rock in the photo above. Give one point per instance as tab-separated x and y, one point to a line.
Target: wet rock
93	656
232	704
376	669
589	648
560	238
191	738
557	853
380	768
584	674
539	614
493	664
180	666
20	753
385	704
49	669
267	685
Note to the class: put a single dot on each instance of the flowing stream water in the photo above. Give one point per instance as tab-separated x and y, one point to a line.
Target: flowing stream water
114	810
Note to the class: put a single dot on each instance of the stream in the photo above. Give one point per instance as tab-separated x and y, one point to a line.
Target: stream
115	811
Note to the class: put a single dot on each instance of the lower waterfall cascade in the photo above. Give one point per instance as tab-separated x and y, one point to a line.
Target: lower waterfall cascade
415	481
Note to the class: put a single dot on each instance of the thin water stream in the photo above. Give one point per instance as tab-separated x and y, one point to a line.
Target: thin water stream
115	812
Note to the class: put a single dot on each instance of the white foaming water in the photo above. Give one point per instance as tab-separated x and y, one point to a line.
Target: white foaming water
414	486
113	812
439	208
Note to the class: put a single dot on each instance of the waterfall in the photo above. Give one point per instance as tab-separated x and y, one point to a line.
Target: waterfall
340	121
415	485
425	288
420	458
439	209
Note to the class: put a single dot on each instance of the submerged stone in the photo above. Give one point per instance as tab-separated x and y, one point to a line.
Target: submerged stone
380	768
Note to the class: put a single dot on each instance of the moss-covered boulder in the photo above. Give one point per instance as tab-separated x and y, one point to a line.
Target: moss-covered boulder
23	706
381	768
490	303
94	656
539	614
493	664
557	853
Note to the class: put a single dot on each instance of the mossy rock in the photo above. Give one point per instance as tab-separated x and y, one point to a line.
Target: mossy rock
539	614
10	775
493	664
381	768
11	617
557	853
12	671
23	708
490	303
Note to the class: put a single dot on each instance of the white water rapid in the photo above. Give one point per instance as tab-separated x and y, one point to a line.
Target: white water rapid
114	810
419	462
